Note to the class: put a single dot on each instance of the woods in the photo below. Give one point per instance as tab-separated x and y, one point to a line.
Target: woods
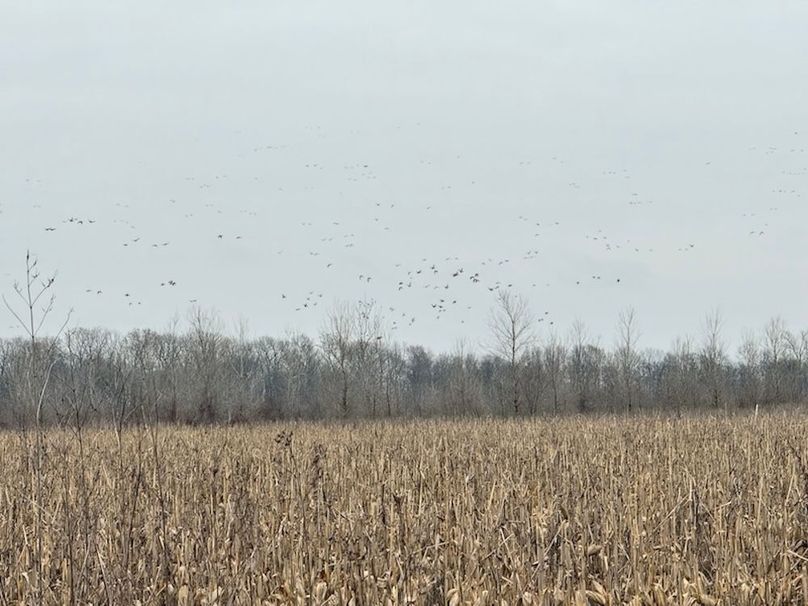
197	372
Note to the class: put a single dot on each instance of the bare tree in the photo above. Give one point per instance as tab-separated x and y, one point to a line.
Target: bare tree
302	363
627	356
270	354
463	386
749	371
511	327
368	353
534	379
797	348
713	357
554	357
774	351
207	349
336	342
31	317
241	375
685	374
169	357
584	362
394	367
419	373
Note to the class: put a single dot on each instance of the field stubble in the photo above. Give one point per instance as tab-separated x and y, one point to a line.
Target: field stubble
559	511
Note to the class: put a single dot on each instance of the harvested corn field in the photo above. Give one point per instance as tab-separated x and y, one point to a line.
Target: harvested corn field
568	511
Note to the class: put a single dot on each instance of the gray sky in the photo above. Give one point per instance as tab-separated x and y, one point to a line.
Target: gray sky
370	134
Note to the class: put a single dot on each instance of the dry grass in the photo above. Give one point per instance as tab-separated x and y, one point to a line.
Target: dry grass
606	511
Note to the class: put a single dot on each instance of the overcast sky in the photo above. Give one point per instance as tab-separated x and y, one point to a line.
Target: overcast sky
533	144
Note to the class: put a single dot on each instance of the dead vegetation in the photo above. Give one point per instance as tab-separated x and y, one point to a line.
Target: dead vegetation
569	511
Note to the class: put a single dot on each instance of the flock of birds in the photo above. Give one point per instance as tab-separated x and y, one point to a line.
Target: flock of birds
447	285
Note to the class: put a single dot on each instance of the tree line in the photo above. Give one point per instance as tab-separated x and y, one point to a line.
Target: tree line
198	373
